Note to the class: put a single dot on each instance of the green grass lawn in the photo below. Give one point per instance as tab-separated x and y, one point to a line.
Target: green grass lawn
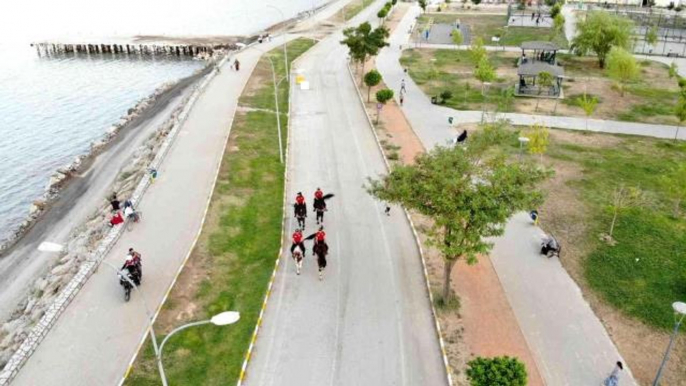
646	270
650	99
353	8
488	26
237	248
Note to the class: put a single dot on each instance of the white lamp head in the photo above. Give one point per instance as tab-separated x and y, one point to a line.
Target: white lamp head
228	317
679	307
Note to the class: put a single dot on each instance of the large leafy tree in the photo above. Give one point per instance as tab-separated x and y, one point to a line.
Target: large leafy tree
600	32
364	42
469	193
622	67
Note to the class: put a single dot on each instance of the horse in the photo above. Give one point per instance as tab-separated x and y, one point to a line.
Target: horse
320	249
298	257
320	207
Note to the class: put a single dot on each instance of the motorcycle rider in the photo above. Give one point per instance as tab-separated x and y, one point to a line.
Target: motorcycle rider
297	241
134	266
319	205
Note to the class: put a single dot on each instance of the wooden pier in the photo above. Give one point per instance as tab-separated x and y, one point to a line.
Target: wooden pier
49	49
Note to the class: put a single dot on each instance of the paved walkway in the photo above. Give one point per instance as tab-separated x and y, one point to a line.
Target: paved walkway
95	338
569	343
369	321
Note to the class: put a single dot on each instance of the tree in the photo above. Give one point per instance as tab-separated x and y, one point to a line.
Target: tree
469	194
445	95
476	2
559	23
477	51
588	105
545	80
601	31
622	67
673	70
675	187
484	72
422	5
383	96
651	35
623	198
502	371
457	37
506	99
371	79
555	10
538	139
383	12
394	2
363	42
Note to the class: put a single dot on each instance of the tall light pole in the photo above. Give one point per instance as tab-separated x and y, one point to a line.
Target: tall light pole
680	314
222	319
285	39
276	101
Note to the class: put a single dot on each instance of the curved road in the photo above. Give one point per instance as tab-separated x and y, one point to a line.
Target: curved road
369	321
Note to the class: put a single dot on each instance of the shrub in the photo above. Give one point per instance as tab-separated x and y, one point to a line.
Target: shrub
445	95
502	371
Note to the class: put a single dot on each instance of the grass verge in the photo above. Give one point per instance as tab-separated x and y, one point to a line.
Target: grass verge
231	265
352	9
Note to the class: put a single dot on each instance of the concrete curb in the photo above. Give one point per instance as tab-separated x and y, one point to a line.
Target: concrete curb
448	371
41	329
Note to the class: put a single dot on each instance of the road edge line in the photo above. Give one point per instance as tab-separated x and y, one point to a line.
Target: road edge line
437	325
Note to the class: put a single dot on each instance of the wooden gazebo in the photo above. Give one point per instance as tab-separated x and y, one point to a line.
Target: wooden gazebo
539	51
528	76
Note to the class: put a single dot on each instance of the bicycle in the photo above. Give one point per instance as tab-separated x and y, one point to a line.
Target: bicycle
134	217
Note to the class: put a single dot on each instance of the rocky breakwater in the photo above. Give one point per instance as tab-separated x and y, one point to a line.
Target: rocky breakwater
85	239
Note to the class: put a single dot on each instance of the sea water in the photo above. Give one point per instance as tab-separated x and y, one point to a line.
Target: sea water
52	108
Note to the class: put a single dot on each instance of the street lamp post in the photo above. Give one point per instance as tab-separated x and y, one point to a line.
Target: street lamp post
680	314
222	319
285	39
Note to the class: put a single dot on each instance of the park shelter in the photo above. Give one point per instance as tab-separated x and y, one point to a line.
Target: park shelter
539	51
529	84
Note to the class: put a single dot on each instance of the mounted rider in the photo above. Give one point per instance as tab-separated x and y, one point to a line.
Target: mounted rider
319	205
297	241
300	209
134	266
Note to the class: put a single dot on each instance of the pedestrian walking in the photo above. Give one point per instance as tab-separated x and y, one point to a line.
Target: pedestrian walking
533	14
402	86
237	65
387	211
402	98
537	21
534	216
613	379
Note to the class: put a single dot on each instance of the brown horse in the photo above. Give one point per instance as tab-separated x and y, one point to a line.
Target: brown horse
320	249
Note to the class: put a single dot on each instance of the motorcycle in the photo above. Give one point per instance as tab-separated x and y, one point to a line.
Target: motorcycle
126	279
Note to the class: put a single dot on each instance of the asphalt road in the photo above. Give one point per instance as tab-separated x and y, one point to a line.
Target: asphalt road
95	338
369	321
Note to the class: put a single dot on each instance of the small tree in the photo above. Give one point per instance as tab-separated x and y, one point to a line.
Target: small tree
559	23
680	113
468	194
371	79
477	51
651	35
445	95
394	2
476	2
457	37
588	105
622	67
484	72
501	371
363	42
538	139
422	5
555	10
601	31
545	80
382	14
383	96
623	198
506	99
673	70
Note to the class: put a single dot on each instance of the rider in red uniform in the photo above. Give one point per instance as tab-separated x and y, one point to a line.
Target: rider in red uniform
319	205
297	240
300	210
320	236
